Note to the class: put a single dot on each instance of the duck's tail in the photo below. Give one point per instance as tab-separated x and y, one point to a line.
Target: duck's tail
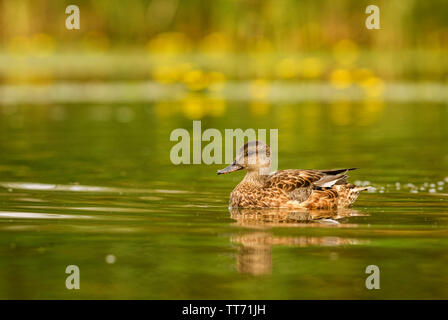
348	193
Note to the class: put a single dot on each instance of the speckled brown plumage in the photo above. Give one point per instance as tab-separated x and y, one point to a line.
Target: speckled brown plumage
310	189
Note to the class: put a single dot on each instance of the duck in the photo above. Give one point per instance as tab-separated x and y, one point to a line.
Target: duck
290	188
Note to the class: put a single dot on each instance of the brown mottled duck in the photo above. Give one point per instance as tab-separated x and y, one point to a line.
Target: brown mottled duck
292	188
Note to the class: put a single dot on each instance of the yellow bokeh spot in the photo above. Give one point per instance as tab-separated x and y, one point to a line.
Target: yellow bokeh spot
165	74
263	46
311	67
359	75
170	73
197	106
216	107
287	68
373	87
28	74
346	52
259	89
216	43
18	45
195	80
217	81
42	44
169	42
194	107
166	109
340	78
371	112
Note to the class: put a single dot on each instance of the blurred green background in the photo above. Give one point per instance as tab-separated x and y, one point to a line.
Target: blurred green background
204	43
85	173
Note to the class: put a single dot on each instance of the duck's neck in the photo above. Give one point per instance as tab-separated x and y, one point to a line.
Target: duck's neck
256	178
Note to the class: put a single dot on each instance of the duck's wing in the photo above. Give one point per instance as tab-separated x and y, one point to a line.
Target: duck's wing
335	197
332	177
298	184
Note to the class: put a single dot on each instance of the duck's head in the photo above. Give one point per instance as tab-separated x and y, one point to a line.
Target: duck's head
253	156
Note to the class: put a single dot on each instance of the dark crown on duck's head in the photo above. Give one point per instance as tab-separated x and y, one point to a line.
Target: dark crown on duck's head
253	155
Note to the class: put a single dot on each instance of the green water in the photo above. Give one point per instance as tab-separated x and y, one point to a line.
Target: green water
80	183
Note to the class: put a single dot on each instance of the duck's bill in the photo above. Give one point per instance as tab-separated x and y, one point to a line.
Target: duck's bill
230	168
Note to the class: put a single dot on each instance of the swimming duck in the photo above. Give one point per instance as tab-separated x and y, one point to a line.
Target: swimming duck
292	188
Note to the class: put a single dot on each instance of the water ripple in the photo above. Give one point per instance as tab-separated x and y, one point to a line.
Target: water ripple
34	215
82	188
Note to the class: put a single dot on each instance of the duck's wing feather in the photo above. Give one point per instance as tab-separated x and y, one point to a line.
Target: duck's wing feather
298	184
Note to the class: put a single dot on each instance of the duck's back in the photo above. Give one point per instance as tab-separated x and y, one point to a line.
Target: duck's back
297	188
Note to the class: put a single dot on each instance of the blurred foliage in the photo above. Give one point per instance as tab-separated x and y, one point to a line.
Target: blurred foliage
202	44
222	25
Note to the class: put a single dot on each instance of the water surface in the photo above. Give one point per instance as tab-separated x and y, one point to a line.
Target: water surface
92	185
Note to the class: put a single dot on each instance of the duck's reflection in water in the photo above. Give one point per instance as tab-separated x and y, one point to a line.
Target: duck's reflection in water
255	248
